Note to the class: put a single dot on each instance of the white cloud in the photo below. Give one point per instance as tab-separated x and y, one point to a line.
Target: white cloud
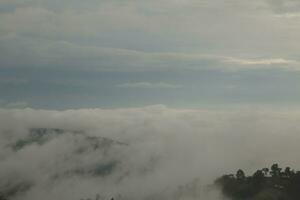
148	85
288	15
262	63
166	148
271	61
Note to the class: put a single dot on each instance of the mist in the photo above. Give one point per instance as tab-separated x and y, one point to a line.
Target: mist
152	152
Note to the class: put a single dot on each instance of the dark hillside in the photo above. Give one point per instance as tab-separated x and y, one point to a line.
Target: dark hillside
264	184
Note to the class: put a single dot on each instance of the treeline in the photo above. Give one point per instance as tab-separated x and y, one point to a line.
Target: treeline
265	184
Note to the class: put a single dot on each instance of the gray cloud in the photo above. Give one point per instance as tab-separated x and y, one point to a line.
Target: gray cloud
67	55
284	6
114	35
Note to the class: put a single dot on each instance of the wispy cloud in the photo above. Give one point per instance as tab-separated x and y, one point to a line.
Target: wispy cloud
264	61
39	36
149	85
69	55
288	15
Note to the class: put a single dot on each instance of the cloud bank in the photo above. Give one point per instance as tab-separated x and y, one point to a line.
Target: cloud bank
138	153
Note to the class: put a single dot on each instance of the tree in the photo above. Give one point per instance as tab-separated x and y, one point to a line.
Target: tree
240	175
265	171
258	176
287	172
275	170
283	185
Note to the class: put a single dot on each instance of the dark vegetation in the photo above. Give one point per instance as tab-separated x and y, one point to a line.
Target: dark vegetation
265	184
10	191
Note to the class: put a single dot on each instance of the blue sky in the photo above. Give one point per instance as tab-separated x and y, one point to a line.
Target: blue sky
182	53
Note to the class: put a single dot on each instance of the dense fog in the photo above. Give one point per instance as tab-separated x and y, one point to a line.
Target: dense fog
153	152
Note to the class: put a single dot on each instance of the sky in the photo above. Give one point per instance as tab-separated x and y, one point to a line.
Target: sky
126	53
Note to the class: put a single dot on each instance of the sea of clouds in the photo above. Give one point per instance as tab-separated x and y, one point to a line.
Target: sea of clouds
154	152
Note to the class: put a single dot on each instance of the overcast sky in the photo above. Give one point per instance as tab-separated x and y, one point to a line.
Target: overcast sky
60	54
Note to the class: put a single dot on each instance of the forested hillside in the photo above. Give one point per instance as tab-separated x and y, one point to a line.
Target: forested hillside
265	184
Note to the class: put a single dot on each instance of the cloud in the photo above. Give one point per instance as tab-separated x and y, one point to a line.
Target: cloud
263	63
67	55
148	85
271	61
115	35
285	9
288	15
13	105
165	148
284	6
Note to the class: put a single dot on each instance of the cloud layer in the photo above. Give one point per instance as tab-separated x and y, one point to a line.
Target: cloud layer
139	35
158	152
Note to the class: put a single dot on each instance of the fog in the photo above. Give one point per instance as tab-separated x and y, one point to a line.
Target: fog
153	152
